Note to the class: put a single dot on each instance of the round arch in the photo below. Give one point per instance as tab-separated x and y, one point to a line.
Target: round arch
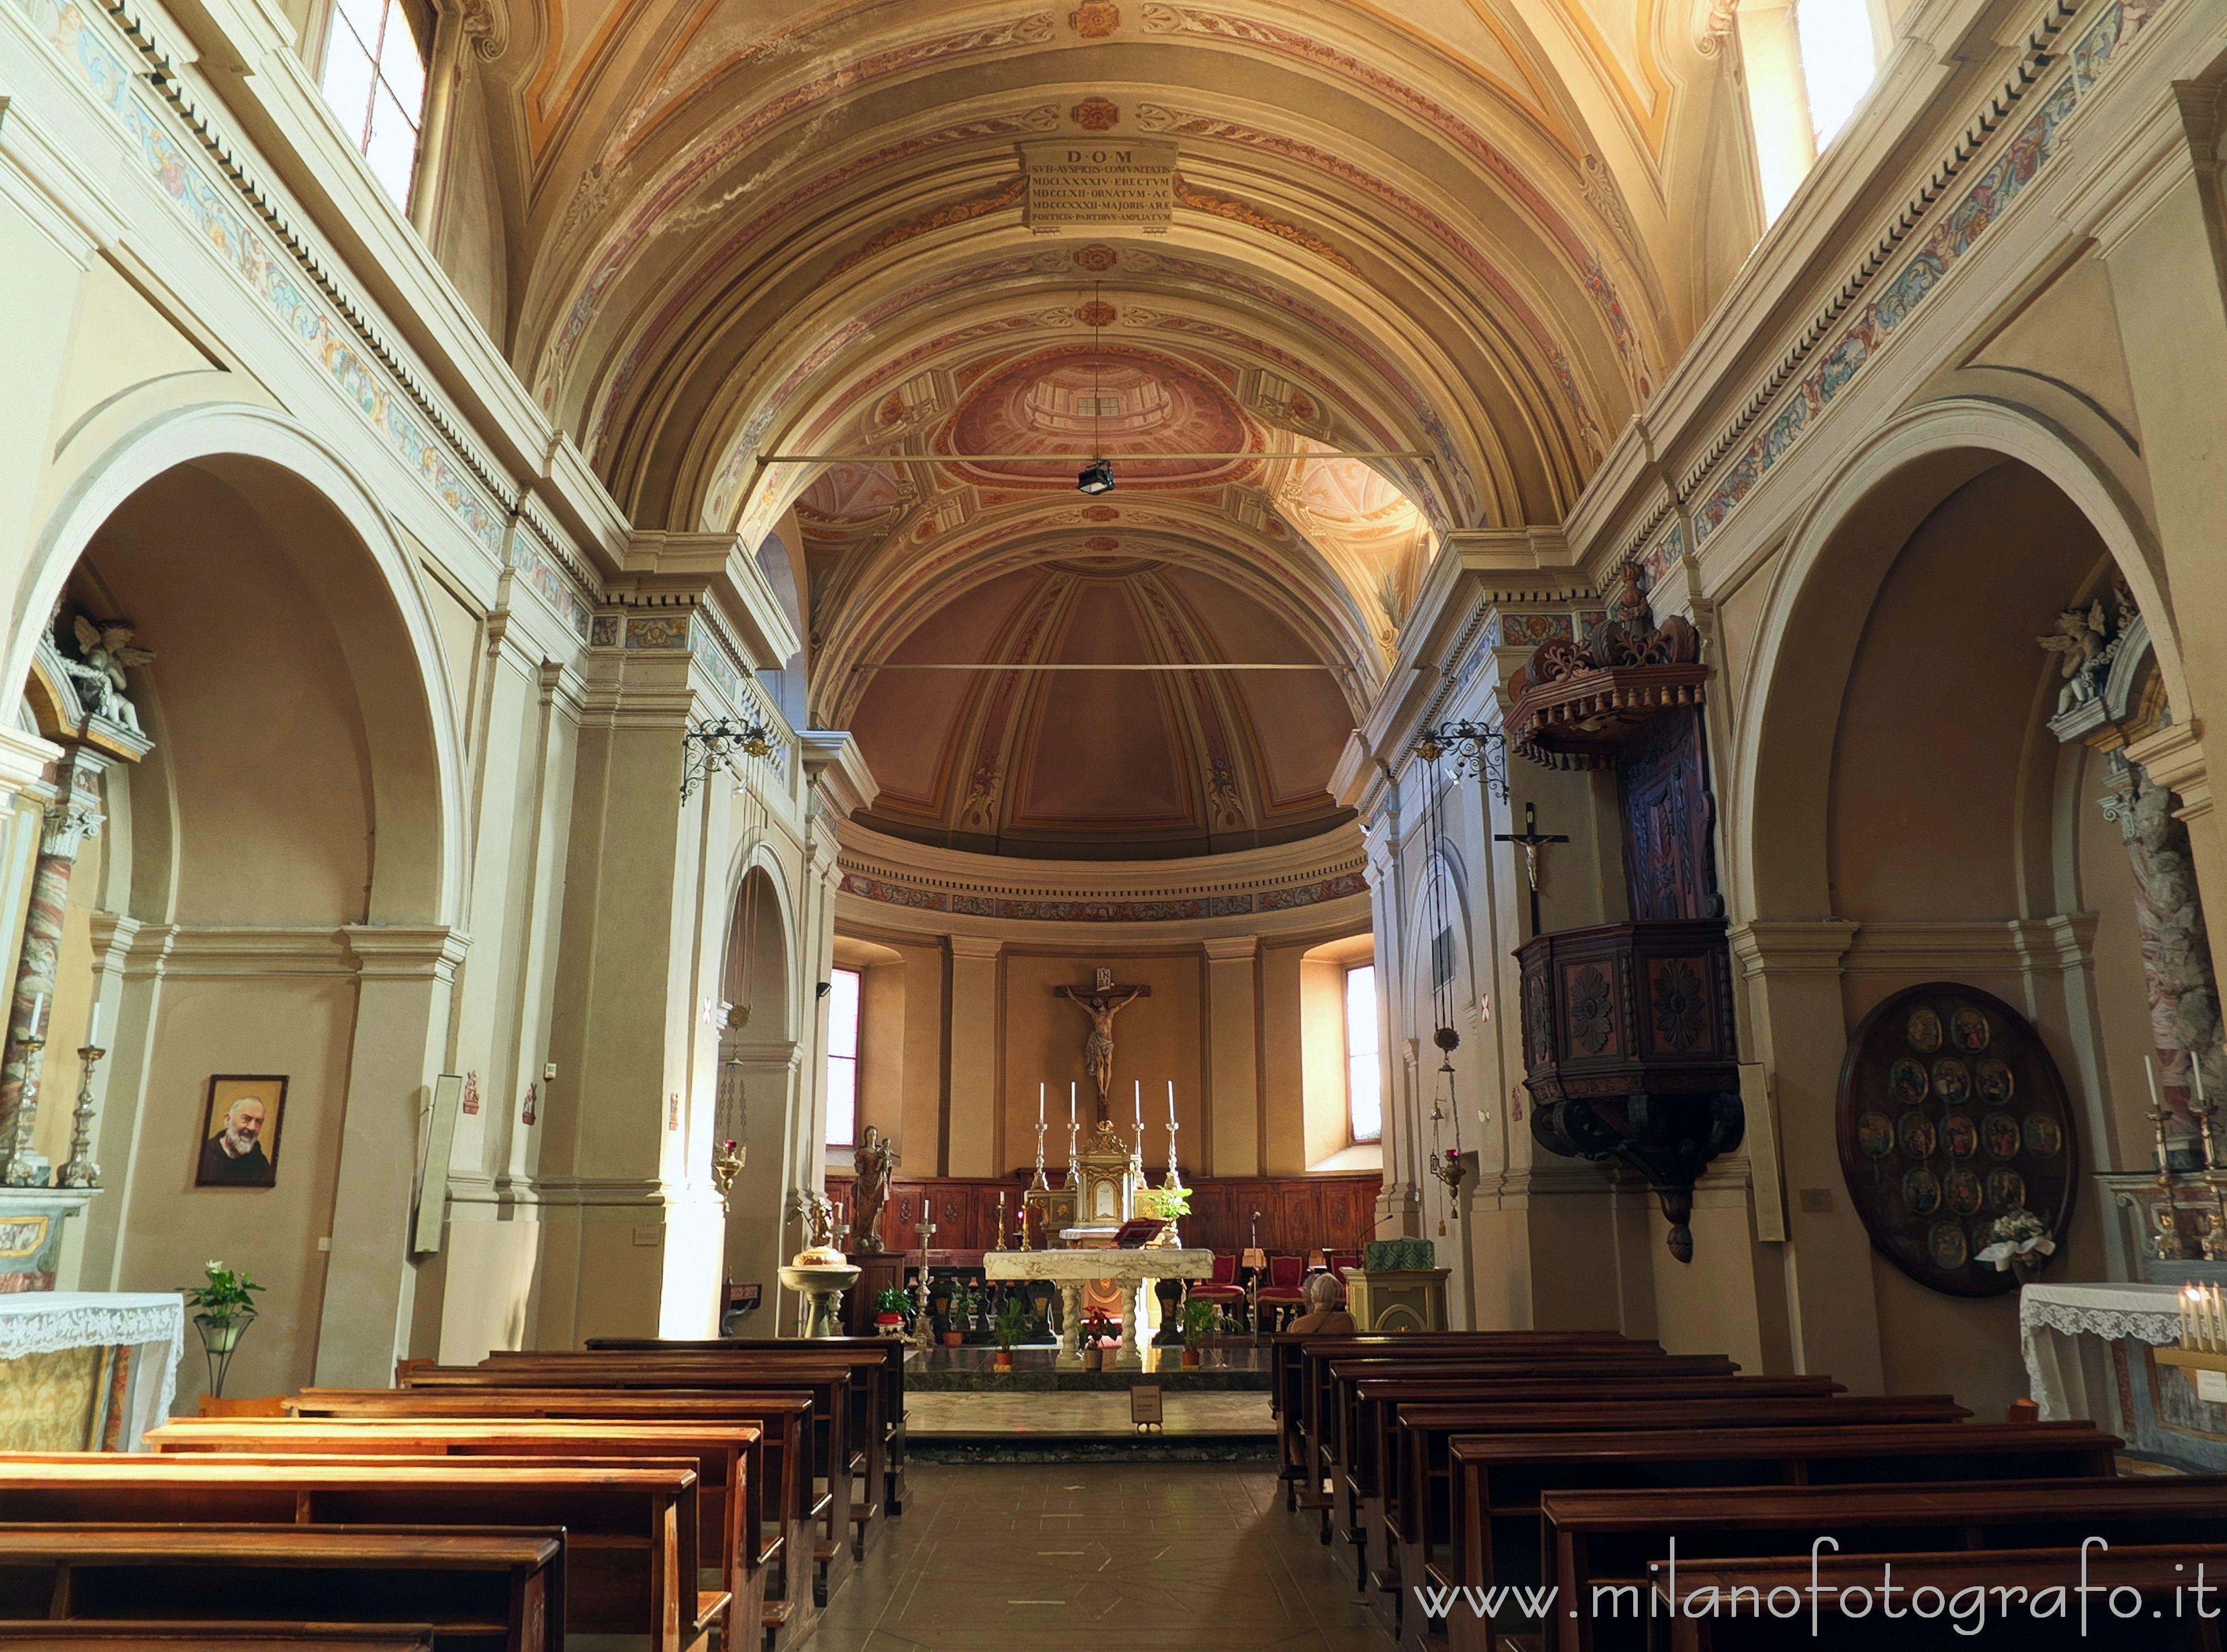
755	859
1821	594
421	864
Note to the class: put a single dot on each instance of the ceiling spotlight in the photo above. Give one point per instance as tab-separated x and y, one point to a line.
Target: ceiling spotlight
1097	477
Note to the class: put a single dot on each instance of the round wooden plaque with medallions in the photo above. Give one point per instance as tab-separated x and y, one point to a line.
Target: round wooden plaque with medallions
1952	1114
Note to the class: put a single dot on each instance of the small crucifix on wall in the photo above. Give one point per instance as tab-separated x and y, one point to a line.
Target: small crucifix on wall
1101	1001
1532	840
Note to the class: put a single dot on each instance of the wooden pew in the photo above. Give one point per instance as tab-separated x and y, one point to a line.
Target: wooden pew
1580	1409
831	1379
786	1543
828	1382
474	1591
1298	1362
892	1352
90	1635
631	1560
1498	1480
1598	1537
2010	1582
872	1393
729	1459
1369	1442
196	1635
1355	1477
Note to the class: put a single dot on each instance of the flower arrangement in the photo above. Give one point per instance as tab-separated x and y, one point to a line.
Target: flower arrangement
2018	1242
223	1310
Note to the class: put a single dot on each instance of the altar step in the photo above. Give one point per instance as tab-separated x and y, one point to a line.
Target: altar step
1088	1426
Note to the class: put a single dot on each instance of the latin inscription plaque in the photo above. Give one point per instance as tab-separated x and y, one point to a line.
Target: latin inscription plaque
1074	183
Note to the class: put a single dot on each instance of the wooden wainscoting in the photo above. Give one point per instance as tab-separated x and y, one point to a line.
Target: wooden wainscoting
1298	1213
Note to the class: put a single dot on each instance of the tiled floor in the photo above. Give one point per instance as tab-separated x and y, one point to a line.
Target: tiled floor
1149	1557
928	1415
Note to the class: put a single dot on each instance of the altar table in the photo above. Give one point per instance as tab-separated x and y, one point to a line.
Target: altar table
1134	1270
2067	1331
88	1370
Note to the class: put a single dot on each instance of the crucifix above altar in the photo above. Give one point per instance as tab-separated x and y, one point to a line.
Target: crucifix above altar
1101	1001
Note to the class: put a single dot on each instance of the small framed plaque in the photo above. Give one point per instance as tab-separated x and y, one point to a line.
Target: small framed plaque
1145	1404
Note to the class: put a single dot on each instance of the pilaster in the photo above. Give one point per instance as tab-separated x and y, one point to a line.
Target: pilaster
1232	1044
405	976
970	1147
1797	1021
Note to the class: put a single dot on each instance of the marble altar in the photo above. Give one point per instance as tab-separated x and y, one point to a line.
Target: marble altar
1134	1271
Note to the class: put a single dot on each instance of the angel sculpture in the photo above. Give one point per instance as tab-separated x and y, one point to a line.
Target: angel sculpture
107	648
2078	638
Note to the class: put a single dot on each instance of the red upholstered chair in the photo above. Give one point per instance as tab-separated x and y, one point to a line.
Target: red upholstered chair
1282	1295
1222	1289
1341	1260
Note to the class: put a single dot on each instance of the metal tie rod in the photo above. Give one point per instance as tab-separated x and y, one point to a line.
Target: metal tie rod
1213	665
1075	458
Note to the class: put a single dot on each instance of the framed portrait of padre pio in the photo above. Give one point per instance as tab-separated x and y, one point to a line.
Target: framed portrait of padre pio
239	1143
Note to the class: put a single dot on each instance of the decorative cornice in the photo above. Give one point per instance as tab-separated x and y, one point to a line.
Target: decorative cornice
1735	463
1286	878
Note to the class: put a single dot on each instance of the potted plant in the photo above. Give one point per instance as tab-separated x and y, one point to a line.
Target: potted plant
890	1305
1198	1324
2018	1243
1168	1204
1010	1326
223	1310
973	1307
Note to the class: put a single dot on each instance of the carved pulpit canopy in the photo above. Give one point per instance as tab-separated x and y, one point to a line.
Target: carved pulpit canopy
1577	703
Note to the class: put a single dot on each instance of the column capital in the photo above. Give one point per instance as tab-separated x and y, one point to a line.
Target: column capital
406	952
1230	949
1782	945
2173	758
837	769
975	946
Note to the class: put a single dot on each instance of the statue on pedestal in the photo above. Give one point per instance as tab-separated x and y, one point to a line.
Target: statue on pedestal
874	1162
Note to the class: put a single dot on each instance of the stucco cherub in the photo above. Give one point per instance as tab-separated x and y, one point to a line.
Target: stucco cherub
107	648
2078	638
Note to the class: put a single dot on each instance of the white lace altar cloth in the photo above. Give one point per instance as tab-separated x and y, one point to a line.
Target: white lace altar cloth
2066	1332
152	1323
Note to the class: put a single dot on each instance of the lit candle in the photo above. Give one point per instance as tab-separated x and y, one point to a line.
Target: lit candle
2188	1318
38	1008
1172	1104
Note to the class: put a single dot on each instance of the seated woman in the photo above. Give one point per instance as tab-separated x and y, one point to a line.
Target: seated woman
1325	1315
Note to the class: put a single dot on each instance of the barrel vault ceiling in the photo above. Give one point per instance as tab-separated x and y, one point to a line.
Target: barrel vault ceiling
1473	230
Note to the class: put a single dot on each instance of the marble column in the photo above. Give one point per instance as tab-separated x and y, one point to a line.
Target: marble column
71	819
2176	947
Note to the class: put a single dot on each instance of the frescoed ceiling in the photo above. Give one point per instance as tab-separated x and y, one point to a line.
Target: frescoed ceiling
1462	238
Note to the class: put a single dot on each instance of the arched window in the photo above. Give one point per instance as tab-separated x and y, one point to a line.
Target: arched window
1364	1082
843	1057
374	81
1807	64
